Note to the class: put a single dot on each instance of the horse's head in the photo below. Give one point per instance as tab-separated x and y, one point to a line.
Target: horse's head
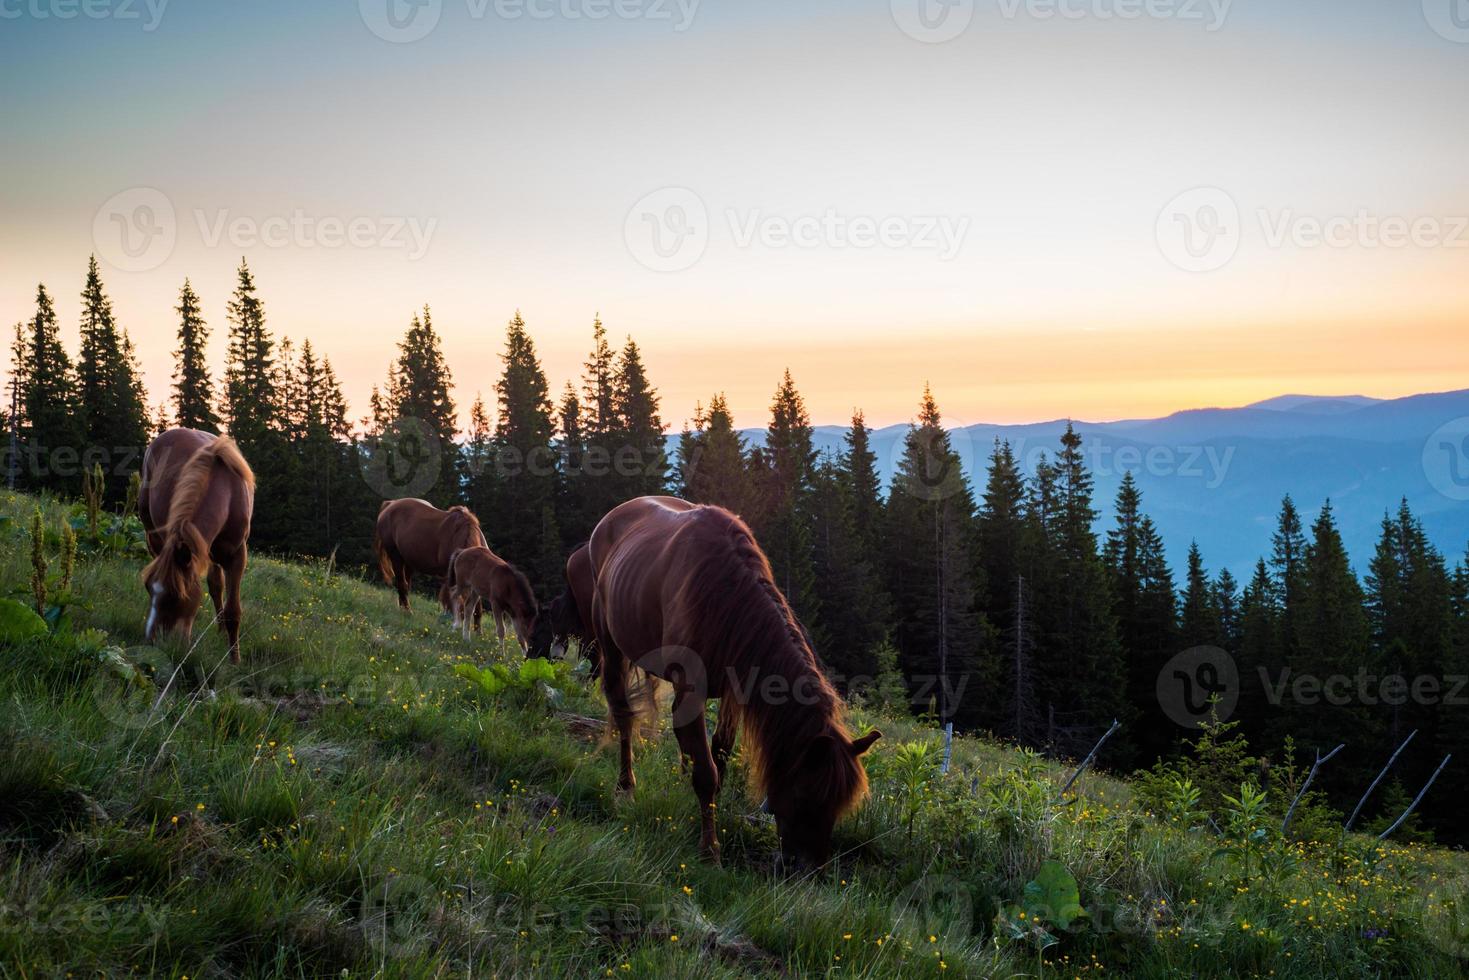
173	583
827	781
561	623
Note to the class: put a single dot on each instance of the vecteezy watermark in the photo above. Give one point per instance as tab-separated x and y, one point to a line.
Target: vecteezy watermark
1200	230
1198	681
1362	229
302	230
405	21
936	21
404	460
1363	688
1210	13
939	233
135	230
1204	680
150	12
1446	459
933	21
669	230
1448	18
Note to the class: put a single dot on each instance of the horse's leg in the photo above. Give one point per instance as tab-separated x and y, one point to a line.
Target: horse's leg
693	743
614	688
466	599
500	629
445	601
230	615
479	609
216	588
724	738
403	582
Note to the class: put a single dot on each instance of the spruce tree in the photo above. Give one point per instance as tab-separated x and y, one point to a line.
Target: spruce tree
711	463
1259	645
643	468
113	403
945	644
864	487
423	418
783	518
193	391
853	606
1199	613
1083	628
251	403
523	434
573	515
50	411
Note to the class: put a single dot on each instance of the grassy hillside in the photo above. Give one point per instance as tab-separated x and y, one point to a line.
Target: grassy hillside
344	803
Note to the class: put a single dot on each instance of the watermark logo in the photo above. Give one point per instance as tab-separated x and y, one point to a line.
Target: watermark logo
935	905
135	230
404	460
1448	18
130	694
930	463
1446	459
933	21
299	229
1199	230
667	230
401	21
1188	684
148	11
397	912
685	672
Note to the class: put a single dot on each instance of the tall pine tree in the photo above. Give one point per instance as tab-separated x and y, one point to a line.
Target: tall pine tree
193	391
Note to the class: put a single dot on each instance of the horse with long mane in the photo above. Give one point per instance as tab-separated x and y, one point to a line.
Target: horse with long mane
415	536
569	615
196	499
683	592
478	577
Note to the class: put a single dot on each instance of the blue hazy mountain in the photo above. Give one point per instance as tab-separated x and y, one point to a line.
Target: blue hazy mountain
1217	475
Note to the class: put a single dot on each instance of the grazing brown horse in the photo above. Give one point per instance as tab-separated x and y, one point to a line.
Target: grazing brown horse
684	592
196	499
570	614
479	577
415	536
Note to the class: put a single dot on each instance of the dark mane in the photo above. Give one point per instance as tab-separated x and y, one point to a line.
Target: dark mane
190	489
734	596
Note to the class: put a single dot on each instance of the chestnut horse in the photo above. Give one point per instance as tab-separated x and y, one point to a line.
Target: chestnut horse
196	499
415	536
684	592
570	614
479	577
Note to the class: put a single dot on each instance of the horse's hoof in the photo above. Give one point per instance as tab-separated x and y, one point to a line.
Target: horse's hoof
711	854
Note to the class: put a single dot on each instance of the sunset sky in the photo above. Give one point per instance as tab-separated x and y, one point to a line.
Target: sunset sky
534	149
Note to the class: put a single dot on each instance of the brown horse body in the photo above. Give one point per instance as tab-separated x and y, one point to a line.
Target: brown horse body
415	536
196	500
684	592
478	577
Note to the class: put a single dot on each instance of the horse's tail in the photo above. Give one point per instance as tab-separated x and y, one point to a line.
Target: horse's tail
449	581
384	563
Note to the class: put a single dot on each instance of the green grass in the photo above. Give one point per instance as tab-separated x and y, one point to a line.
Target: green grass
343	804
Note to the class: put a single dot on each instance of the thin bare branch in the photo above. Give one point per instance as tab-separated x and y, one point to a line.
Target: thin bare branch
1320	761
1416	800
1353	818
1088	760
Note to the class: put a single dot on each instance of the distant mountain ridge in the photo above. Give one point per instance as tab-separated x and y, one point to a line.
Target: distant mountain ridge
1217	475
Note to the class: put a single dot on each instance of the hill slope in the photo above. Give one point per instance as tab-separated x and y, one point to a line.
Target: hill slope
345	804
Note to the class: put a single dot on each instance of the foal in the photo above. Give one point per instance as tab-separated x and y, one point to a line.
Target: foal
478	575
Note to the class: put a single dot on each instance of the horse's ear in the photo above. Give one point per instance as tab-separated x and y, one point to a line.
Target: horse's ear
864	743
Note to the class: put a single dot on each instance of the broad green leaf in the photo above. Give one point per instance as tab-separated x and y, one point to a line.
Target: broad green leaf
1053	895
18	622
